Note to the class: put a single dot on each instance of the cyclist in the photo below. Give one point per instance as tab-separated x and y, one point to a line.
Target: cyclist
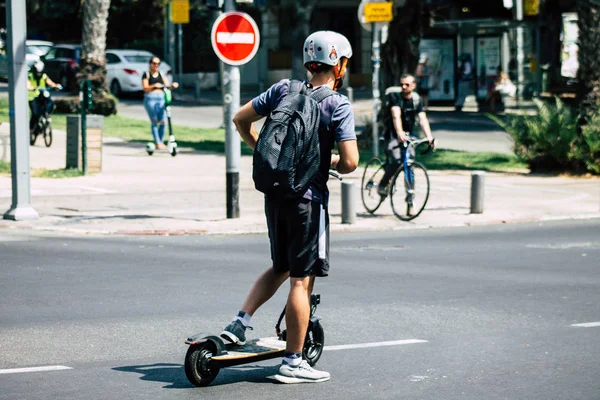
37	80
405	107
299	228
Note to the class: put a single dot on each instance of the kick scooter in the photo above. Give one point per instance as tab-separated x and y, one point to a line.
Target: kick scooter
172	145
208	354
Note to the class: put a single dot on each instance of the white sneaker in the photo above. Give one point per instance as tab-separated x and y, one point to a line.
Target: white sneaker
301	373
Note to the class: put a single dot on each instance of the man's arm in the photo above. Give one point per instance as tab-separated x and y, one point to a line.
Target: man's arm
243	120
347	160
397	119
426	128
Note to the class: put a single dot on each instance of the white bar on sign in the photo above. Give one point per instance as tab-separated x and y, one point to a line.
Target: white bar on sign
34	369
587	324
235	38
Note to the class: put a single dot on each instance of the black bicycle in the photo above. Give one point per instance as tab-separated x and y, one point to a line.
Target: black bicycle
44	122
408	189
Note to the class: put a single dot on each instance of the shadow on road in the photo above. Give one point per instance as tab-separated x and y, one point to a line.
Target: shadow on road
174	374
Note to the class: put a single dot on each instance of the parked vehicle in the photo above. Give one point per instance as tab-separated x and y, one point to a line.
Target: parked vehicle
124	69
34	49
62	64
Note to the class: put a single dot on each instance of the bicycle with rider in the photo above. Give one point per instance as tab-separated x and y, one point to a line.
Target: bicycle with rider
405	106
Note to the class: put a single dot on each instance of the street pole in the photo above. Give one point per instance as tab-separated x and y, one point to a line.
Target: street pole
171	38
520	54
16	24
375	82
231	104
180	52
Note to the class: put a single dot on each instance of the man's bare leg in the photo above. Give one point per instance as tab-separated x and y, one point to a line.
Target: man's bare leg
263	289
297	313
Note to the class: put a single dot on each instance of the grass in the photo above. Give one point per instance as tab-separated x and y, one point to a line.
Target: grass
57	173
463	160
4	167
213	140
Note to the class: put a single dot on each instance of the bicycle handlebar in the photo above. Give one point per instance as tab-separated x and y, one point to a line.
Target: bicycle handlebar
416	142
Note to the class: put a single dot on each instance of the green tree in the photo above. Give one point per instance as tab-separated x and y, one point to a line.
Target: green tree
400	53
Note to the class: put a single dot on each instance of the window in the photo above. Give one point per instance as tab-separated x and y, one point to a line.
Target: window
112	58
137	58
50	55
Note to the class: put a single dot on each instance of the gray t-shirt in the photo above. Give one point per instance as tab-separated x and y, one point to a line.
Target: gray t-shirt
336	125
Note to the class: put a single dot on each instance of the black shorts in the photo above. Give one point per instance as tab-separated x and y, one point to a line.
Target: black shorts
299	235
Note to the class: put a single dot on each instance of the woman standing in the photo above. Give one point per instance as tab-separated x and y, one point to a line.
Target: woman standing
423	75
153	82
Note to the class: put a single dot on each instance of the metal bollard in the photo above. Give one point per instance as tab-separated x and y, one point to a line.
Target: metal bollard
477	192
197	85
348	202
350	95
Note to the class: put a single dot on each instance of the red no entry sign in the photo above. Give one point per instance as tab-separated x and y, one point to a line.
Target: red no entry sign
235	38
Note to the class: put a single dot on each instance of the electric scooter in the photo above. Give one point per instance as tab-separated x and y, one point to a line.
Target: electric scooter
207	354
172	144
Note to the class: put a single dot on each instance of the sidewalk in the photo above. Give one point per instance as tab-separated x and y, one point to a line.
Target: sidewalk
164	195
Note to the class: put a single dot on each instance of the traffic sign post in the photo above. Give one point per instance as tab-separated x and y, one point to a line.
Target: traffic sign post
21	208
235	40
373	15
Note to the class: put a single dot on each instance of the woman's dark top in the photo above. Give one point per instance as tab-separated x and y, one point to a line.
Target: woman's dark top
151	79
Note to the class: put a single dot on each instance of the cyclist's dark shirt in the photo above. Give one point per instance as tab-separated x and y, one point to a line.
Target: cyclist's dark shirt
409	108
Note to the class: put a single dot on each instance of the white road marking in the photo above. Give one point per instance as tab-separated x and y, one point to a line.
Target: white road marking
235	38
34	369
587	324
375	344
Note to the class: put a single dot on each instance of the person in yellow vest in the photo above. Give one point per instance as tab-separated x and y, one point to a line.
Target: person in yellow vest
37	81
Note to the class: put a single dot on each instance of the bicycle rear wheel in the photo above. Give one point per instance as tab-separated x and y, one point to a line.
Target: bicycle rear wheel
409	195
370	183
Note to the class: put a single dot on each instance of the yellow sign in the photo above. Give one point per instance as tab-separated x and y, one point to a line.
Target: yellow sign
180	11
531	7
378	12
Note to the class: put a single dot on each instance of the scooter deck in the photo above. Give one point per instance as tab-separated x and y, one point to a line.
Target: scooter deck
253	348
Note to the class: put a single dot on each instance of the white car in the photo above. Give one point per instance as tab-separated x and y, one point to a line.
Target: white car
34	49
124	70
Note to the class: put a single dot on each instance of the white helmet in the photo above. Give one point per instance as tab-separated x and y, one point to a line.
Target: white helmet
326	47
38	66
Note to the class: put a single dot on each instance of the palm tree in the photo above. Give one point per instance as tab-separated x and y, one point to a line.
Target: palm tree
93	43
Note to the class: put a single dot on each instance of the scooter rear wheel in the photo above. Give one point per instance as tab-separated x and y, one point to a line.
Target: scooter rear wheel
198	367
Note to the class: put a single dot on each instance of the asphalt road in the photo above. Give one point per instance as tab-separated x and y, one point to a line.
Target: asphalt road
494	307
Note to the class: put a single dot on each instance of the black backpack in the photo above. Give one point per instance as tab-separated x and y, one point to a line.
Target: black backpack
287	154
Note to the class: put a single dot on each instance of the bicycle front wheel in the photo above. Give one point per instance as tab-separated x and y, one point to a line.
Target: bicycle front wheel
374	171
409	191
48	133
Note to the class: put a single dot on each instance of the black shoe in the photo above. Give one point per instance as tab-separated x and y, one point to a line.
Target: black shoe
235	333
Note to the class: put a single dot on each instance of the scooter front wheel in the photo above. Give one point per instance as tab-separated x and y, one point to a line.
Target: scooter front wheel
174	151
198	367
